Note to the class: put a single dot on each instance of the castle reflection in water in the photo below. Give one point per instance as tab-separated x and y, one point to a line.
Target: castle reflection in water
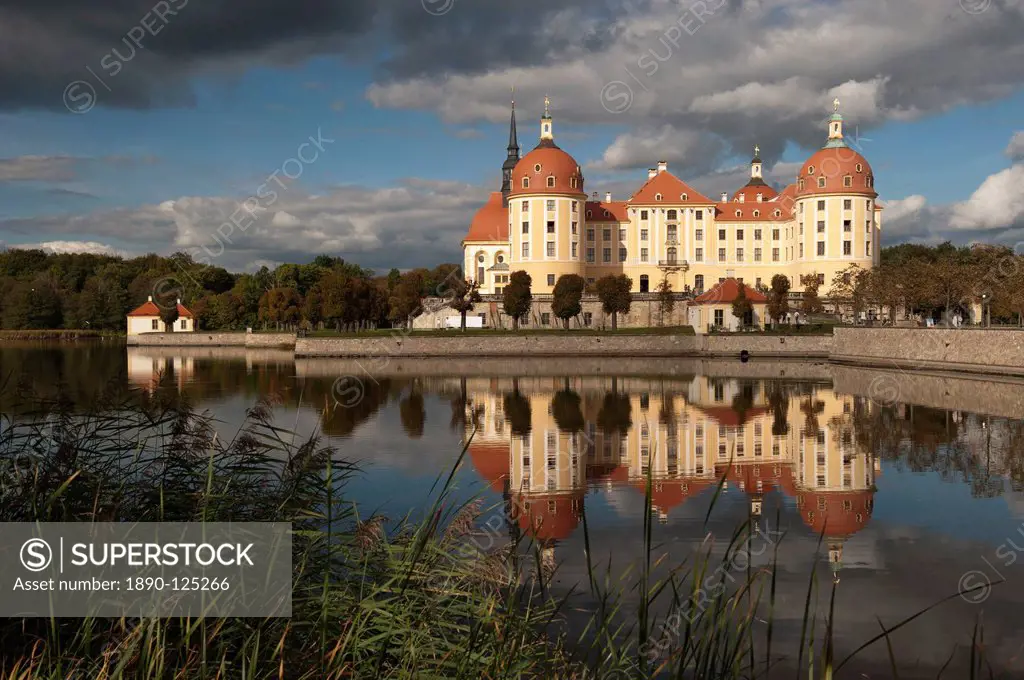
542	441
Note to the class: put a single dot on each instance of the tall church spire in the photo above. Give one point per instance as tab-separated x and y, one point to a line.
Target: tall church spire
513	155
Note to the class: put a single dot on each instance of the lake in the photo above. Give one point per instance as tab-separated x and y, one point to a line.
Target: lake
899	489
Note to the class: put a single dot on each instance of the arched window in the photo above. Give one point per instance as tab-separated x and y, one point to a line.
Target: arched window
757	213
590	213
778	213
683	197
551	181
801	185
739	213
657	197
821	182
672	215
526	182
672	255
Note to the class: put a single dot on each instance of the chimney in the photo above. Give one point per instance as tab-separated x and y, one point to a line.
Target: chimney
662	166
651	172
607	197
725	197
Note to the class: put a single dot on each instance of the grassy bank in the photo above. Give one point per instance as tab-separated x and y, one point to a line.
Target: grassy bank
372	598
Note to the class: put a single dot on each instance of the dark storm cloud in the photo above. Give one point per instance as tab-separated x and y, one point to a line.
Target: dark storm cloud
144	50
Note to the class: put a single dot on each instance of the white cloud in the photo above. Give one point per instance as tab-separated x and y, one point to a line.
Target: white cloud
997	204
1016	148
59	247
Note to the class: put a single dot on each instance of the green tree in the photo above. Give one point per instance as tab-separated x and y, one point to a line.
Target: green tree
614	293
666	301
404	301
516	297
811	303
741	306
567	298
464	296
778	298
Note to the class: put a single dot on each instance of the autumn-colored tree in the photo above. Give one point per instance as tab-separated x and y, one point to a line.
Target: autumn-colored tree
281	307
849	288
516	297
614	293
567	297
405	300
778	298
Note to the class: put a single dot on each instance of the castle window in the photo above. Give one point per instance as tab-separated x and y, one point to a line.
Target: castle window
801	185
480	258
606	213
551	181
572	183
622	254
526	182
821	182
575	206
551	280
738	213
757	213
683	197
657	197
526	227
590	213
700	215
551	249
848	181
526	205
536	168
699	255
821	249
551	204
590	234
757	234
699	235
847	204
821	205
810	169
672	216
739	234
551	226
871	181
778	213
860	168
499	259
526	250
847	248
643	214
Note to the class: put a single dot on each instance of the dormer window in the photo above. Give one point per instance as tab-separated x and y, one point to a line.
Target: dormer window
536	168
801	185
810	169
684	197
760	197
860	167
657	197
572	182
871	181
551	181
739	213
821	182
606	213
757	213
743	198
526	182
590	213
778	213
848	181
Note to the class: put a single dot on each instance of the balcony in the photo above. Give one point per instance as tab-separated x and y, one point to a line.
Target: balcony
674	263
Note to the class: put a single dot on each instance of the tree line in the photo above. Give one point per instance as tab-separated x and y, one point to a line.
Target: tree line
42	290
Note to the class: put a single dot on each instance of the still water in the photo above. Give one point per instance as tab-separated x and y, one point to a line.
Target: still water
899	488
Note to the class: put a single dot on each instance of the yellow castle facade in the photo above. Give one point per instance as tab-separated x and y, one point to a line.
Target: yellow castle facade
543	222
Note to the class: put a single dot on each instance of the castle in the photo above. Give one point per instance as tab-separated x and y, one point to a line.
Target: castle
543	222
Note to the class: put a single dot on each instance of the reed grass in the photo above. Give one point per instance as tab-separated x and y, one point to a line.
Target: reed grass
372	598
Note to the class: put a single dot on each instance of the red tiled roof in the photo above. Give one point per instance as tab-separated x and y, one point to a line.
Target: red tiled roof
616	211
672	190
490	222
839	513
667	494
752	189
150	309
834	164
553	162
766	212
491	462
727	291
726	415
548	517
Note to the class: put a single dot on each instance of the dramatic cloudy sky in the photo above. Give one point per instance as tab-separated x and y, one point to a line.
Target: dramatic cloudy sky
133	126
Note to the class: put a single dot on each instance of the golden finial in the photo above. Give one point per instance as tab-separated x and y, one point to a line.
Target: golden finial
757	150
835	104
